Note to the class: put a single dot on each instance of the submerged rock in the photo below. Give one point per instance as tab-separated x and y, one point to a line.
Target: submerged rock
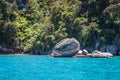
66	48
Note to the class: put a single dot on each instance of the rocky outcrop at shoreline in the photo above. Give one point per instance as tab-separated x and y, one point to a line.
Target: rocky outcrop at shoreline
66	48
70	48
94	54
4	50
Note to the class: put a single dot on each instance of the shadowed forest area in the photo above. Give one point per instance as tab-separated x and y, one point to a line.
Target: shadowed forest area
35	26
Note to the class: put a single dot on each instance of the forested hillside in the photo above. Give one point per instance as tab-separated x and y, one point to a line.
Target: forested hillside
37	25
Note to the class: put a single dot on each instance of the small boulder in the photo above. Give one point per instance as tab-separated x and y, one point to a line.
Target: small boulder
82	53
66	48
99	54
79	52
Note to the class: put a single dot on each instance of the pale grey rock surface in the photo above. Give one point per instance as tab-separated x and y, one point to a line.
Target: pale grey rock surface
66	48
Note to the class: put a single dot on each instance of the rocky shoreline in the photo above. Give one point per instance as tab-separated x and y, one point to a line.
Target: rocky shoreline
70	47
94	54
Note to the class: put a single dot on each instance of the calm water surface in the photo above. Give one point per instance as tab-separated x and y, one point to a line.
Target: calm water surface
45	68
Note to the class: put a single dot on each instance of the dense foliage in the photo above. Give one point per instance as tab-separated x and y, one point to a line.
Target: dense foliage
45	22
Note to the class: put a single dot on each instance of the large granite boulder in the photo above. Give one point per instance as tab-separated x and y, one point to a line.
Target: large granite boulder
66	48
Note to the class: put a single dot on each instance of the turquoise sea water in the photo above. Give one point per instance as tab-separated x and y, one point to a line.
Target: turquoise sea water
45	68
